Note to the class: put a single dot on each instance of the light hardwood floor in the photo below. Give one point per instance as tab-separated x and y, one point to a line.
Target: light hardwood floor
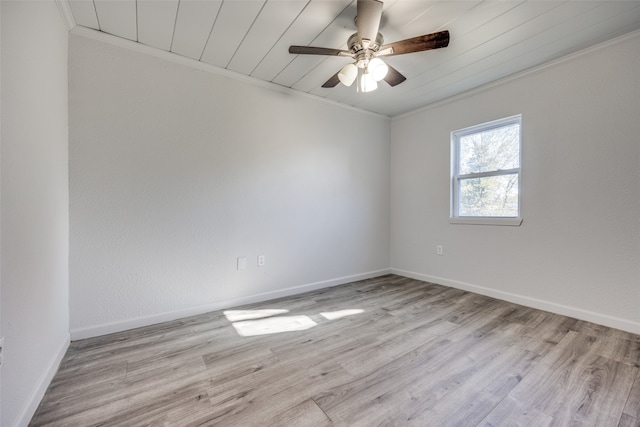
385	351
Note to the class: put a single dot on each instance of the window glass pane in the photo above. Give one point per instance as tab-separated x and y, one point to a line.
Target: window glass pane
490	150
489	196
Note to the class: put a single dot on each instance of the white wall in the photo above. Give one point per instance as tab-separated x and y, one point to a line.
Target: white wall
578	249
35	198
175	172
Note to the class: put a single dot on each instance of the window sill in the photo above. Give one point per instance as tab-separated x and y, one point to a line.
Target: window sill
514	222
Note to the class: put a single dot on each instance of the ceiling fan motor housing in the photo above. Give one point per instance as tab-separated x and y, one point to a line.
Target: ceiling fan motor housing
355	47
361	54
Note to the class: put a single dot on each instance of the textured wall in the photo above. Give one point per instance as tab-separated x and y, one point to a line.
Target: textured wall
578	248
35	203
175	172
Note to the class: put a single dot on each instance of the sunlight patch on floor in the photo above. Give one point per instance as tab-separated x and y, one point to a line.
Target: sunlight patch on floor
333	315
238	315
273	325
249	323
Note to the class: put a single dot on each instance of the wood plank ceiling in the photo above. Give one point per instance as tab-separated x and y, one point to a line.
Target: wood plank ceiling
489	39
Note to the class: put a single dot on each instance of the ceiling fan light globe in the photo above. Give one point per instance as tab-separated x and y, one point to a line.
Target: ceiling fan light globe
367	83
378	69
348	74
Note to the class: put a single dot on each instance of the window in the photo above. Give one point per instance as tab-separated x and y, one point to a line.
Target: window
485	173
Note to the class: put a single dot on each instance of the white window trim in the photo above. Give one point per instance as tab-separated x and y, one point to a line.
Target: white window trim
486	220
454	218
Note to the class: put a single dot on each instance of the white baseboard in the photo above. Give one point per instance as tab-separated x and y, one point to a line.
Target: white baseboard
38	393
94	331
578	313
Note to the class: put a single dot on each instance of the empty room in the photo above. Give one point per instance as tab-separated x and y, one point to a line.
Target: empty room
319	213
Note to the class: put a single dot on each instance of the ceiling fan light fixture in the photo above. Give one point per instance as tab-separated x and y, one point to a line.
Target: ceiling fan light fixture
378	69
348	74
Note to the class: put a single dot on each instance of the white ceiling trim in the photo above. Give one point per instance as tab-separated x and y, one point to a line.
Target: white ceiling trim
67	16
189	62
553	63
491	41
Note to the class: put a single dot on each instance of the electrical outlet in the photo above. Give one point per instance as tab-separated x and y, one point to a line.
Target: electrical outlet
439	250
242	263
260	260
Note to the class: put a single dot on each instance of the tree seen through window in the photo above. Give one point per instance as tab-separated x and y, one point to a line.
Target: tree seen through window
487	163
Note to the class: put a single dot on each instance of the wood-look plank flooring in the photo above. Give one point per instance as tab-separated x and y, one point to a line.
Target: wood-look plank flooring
386	351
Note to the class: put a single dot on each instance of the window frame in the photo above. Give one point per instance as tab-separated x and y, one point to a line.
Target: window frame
454	217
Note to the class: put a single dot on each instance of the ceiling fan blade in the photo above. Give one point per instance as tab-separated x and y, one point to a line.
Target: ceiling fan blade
333	81
368	17
312	50
394	77
417	44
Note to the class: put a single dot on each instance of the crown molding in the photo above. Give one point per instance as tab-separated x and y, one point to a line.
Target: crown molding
67	16
550	64
202	66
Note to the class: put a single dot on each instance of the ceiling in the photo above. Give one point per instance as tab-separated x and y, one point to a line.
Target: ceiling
489	39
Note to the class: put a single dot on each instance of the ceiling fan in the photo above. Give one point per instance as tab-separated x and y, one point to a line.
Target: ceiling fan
366	47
